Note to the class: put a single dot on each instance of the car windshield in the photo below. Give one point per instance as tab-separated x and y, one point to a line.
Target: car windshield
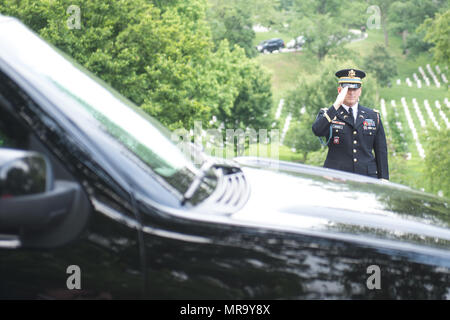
133	128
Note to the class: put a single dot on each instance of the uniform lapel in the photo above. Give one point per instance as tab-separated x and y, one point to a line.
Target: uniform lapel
362	114
343	116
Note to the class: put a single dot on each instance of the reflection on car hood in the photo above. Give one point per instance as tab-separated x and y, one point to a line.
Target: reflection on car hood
317	199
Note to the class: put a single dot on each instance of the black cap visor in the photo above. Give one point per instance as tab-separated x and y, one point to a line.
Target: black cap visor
351	85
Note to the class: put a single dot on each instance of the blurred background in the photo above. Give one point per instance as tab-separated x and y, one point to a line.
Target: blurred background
269	64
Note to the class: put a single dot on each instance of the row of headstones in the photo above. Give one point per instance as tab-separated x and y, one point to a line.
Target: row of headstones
419	116
425	77
429	112
287	122
398	123
411	125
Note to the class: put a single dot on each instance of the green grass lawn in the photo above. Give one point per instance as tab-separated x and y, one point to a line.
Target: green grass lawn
285	69
431	93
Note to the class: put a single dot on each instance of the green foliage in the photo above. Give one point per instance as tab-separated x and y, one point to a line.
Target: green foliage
407	15
404	18
317	158
265	12
299	137
229	20
381	64
438	33
320	23
253	104
437	161
416	45
159	54
285	5
354	14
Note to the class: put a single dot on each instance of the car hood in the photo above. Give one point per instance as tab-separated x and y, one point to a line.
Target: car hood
312	199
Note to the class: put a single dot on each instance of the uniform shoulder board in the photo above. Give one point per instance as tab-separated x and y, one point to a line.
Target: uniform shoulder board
378	115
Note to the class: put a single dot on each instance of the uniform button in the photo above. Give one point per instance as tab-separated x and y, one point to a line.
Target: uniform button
337	130
354	141
354	132
370	133
354	160
354	150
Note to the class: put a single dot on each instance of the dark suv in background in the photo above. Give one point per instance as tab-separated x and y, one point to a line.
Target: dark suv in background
270	45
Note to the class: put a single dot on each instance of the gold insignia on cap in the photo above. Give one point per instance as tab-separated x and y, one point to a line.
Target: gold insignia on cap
351	73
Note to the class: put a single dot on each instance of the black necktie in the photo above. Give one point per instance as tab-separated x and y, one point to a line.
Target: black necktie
350	110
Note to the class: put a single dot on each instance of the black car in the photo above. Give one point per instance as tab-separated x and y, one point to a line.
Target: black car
270	45
96	201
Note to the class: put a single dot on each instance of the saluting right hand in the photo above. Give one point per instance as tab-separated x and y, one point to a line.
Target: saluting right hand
340	98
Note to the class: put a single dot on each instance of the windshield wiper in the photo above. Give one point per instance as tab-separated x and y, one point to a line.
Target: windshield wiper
205	171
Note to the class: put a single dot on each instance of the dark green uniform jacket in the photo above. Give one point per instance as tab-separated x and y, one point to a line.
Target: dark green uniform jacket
350	147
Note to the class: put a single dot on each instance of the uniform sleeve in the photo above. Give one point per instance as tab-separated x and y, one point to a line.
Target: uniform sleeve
321	126
381	154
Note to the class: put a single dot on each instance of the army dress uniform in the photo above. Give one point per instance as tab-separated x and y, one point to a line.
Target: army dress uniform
351	141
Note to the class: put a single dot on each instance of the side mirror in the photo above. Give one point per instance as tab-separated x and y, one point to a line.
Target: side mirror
23	173
33	205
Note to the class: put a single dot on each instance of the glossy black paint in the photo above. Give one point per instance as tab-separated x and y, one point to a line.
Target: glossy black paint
304	233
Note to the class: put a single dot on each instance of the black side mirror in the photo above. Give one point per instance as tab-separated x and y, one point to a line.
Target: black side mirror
33	205
23	173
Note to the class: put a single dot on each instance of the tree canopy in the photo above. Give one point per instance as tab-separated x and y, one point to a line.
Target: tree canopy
438	33
159	54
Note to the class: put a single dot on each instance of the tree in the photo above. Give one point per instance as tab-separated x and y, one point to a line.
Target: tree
381	64
234	20
322	35
229	20
251	95
299	137
405	16
253	104
384	6
320	23
160	57
438	32
437	161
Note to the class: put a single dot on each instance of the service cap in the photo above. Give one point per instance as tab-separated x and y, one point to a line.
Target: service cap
351	78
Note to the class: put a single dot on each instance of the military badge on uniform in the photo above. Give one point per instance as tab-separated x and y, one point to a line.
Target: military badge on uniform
336	140
337	125
369	124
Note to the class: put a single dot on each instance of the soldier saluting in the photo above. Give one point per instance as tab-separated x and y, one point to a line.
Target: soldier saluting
353	131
